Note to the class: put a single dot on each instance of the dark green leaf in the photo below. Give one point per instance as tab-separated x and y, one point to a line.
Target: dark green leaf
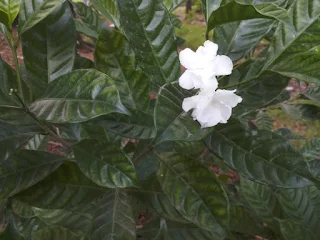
54	233
291	230
83	63
37	142
163	231
148	28
237	39
88	17
139	125
287	134
303	207
298	111
34	11
105	164
114	57
295	49
78	97
262	156
108	9
264	121
313	94
24	169
171	5
263	201
11	9
311	150
11	232
171	121
85	29
194	191
66	188
49	47
113	218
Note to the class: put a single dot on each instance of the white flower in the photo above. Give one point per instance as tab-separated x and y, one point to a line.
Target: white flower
212	108
203	66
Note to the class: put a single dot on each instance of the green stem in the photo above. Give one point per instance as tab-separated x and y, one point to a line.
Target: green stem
14	47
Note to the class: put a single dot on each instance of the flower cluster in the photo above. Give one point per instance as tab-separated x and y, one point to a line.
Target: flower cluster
211	106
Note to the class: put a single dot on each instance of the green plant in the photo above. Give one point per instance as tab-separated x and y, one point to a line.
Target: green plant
88	146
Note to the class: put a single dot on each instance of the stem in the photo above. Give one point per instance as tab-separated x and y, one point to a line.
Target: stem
13	47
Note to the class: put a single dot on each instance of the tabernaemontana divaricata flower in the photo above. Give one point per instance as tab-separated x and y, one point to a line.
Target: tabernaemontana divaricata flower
210	106
211	109
203	66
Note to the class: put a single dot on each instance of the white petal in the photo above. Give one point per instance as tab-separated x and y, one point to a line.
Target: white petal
210	116
222	65
211	48
188	80
225	113
189	103
188	58
227	97
209	85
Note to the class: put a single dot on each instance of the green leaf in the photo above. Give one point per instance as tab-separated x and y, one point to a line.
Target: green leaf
4	31
11	232
237	39
139	125
67	188
163	231
24	169
113	218
291	230
171	5
224	11
295	49
37	142
105	164
11	9
287	134
177	231
313	94
262	156
49	48
264	121
85	29
311	149
263	201
299	111
171	121
302	206
54	233
194	191
148	28
114	57
77	97
108	9
88	17
34	11
82	63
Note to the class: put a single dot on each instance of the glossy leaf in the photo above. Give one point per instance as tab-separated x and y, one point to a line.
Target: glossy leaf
171	5
262	156
171	121
148	28
291	230
77	97
85	29
109	10
24	169
49	47
114	57
56	233
299	111
264	121
311	149
11	232
88	17
313	94
37	142
105	164
194	191
11	9
113	218
237	39
34	11
263	201
163	234
302	206
66	188
139	125
294	52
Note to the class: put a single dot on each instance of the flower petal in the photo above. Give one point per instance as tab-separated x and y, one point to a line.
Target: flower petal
209	86
222	65
190	102
189	79
225	112
211	48
210	115
227	97
188	58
